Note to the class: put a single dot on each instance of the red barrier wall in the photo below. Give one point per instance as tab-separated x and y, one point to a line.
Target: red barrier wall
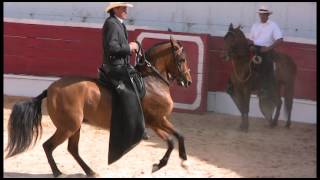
48	50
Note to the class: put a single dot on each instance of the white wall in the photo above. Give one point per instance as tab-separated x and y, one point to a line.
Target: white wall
303	110
296	19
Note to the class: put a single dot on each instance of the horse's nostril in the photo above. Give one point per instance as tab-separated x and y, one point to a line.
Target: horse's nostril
189	83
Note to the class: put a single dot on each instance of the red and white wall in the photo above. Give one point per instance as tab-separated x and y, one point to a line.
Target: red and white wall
53	50
37	52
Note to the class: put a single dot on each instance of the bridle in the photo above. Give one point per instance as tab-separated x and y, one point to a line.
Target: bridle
177	59
176	56
231	51
141	56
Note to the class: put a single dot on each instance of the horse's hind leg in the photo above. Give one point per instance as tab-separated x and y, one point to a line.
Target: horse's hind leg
58	137
165	136
288	103
74	151
182	150
276	116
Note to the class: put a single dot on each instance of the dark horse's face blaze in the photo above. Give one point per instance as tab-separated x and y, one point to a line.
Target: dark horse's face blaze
182	70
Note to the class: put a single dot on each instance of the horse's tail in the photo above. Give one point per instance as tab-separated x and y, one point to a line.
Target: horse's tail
288	98
23	124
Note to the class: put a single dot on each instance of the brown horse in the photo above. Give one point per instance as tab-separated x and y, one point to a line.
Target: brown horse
244	80
72	101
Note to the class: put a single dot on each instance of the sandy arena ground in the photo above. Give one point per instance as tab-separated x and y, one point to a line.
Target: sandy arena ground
214	146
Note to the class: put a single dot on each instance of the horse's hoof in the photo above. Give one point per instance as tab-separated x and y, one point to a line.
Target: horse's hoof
145	136
185	164
94	175
155	168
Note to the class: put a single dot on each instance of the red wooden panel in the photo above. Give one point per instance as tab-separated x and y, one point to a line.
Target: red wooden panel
51	31
51	54
306	85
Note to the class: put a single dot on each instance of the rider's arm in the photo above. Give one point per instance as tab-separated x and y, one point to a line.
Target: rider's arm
276	43
116	46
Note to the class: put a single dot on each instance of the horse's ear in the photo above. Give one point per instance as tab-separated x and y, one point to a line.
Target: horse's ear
173	41
239	26
230	27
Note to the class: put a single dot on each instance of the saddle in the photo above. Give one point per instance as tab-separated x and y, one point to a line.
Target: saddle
135	76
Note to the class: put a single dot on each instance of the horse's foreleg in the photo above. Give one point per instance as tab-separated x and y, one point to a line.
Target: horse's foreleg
59	137
74	151
244	126
244	101
165	136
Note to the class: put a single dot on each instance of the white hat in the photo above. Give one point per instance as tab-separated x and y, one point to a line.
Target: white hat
264	10
117	4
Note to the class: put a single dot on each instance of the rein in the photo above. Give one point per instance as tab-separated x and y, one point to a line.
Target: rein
237	75
149	65
245	79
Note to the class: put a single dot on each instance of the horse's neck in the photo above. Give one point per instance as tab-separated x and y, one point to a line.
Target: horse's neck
160	63
241	61
241	53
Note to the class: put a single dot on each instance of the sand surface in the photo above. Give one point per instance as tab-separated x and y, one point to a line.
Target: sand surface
214	146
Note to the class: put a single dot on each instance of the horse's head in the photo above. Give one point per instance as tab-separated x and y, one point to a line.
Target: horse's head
170	60
235	42
177	66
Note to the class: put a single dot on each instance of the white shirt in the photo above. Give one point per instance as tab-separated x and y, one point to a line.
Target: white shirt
265	34
121	20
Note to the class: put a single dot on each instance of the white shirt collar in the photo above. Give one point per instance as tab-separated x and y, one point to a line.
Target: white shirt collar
267	22
121	20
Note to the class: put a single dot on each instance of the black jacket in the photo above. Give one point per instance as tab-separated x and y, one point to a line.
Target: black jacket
116	48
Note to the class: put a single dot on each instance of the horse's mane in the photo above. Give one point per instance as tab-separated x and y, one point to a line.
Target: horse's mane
241	46
238	30
147	53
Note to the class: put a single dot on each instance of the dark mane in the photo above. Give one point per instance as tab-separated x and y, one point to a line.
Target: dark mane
147	53
241	34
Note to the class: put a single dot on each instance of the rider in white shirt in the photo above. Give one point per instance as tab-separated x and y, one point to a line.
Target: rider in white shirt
265	34
264	37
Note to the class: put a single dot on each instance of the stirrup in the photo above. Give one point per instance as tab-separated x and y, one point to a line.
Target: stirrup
257	59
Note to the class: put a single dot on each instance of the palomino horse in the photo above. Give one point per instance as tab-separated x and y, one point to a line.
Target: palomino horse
244	80
72	101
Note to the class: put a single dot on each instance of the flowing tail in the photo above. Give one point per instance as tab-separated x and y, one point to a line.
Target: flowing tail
24	123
